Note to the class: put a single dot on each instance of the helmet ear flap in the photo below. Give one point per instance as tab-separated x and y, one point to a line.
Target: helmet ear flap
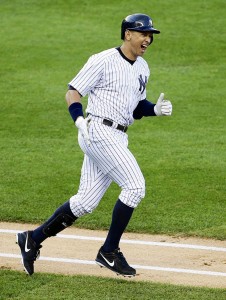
152	38
123	30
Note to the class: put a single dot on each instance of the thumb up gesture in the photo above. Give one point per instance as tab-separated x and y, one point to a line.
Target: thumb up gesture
163	107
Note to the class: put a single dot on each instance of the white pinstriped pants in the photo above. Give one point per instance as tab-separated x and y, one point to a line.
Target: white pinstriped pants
107	159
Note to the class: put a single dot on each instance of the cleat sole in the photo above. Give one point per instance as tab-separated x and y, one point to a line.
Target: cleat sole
118	274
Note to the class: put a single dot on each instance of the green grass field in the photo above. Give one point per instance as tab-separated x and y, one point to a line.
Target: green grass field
43	45
57	287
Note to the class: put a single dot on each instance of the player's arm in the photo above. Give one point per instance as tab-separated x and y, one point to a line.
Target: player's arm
146	108
73	99
72	96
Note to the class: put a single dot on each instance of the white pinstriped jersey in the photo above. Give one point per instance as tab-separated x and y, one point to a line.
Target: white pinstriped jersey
114	85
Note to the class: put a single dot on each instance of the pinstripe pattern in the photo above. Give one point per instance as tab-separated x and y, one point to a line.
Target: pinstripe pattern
114	88
112	85
93	185
107	159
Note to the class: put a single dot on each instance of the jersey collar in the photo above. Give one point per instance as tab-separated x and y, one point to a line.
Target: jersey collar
123	56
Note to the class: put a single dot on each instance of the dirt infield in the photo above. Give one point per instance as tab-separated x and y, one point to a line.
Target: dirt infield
176	260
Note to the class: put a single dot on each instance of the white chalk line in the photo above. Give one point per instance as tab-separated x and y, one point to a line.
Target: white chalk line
90	262
136	242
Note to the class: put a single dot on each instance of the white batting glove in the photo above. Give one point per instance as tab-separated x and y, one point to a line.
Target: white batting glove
82	126
163	107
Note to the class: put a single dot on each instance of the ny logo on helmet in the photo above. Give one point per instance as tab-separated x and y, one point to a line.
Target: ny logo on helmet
143	83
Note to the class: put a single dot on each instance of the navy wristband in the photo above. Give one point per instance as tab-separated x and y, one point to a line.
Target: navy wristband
75	110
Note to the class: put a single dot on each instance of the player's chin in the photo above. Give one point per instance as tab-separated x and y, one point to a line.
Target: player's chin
142	51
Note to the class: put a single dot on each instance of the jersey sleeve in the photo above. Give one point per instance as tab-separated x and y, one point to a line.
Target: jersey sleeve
89	76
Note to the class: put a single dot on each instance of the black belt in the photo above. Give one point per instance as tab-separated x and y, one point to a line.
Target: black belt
119	127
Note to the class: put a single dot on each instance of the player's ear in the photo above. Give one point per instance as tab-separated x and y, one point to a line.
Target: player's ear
127	35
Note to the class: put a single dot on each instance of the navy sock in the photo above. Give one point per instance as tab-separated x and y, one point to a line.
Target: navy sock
120	219
38	235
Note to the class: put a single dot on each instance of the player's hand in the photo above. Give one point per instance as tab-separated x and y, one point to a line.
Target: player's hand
163	107
82	126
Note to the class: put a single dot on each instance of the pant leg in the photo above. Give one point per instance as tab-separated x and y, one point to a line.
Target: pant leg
109	151
93	185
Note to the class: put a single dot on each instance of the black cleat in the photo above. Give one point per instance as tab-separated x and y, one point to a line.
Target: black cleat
116	262
29	250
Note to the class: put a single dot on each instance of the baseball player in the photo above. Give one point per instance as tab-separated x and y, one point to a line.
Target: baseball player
115	81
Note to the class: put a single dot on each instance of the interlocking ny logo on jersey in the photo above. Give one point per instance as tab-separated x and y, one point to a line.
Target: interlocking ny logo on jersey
143	83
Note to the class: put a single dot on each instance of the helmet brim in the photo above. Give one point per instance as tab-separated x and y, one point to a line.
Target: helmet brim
145	28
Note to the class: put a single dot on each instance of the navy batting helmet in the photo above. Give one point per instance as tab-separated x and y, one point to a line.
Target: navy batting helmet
137	22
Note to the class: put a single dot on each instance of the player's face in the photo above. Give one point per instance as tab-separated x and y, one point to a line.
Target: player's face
139	41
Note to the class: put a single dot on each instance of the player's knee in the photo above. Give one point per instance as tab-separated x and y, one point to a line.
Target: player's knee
139	193
78	208
133	195
140	189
